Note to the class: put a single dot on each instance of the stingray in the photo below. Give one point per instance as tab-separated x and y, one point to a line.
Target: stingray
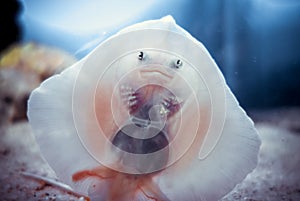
147	115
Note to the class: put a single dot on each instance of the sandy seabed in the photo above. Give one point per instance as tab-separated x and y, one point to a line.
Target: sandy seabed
276	177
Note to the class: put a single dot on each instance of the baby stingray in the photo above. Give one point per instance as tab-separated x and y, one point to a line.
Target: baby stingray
147	115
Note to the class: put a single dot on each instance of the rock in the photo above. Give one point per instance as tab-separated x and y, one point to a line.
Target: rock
23	68
15	87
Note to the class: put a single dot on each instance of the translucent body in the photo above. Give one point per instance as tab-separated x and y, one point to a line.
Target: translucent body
81	115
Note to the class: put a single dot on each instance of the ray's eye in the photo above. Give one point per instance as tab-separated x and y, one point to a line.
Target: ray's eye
178	63
141	56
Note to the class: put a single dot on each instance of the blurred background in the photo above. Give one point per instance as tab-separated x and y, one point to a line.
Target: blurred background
255	43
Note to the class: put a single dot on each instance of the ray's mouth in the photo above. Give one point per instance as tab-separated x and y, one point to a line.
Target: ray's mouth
155	71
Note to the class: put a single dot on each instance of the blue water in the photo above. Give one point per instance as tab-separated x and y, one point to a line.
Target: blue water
255	43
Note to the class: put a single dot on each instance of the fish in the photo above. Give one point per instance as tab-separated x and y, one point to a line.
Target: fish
147	115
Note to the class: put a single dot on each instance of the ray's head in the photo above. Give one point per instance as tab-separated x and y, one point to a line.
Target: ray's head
149	89
152	77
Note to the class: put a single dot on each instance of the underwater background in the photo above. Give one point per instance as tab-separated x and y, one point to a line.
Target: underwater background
254	42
